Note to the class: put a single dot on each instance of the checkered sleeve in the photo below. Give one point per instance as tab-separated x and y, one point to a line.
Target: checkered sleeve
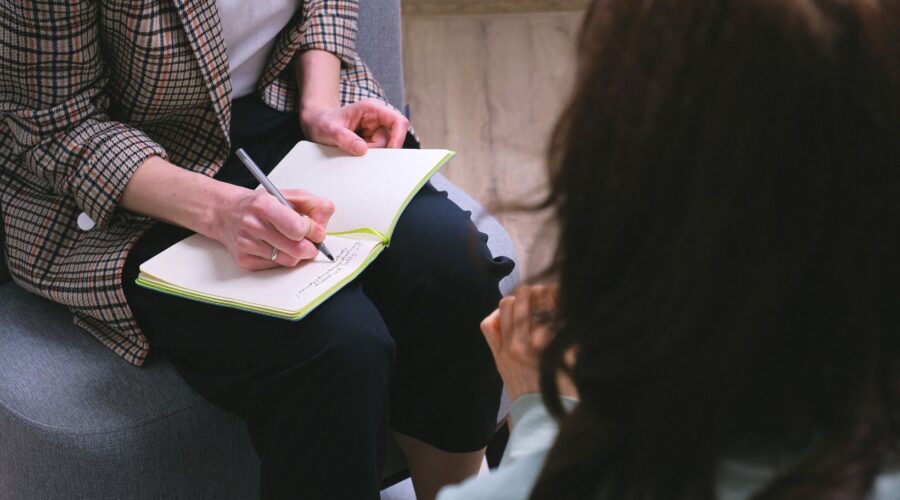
331	25
53	104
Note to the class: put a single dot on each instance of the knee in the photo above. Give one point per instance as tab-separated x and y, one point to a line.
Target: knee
437	247
345	337
359	351
461	265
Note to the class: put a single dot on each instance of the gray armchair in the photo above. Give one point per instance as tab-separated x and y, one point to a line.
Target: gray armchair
78	422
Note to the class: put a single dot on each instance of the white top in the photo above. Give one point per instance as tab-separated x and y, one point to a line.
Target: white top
250	28
533	433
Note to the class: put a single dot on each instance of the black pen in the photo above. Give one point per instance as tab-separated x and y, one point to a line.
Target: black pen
266	183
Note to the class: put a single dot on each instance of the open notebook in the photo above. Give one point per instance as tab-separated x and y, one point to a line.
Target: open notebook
369	192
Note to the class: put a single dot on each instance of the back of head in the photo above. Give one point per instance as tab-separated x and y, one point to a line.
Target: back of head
726	182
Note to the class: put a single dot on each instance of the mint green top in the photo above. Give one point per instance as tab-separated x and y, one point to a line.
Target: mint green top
534	430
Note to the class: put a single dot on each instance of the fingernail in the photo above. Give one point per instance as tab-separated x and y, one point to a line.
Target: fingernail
359	148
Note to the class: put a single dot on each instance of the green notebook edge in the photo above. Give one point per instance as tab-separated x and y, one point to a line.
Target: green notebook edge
386	238
267	311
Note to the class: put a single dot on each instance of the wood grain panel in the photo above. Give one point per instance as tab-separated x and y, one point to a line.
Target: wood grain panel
491	88
470	7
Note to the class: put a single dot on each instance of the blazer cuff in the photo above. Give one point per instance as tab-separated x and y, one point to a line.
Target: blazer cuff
335	33
115	152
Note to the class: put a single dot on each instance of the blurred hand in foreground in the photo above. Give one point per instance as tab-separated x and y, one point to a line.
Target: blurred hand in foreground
517	333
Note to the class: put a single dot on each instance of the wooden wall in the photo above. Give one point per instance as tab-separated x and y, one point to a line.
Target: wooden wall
490	86
468	7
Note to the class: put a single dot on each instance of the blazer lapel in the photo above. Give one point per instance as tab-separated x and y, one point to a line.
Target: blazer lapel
200	19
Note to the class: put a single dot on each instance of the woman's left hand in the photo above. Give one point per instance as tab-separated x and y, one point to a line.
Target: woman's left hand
355	127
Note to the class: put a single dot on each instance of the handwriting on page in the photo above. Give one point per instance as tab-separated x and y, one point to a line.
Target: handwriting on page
342	259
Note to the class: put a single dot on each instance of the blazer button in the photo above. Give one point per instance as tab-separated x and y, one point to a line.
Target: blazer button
85	223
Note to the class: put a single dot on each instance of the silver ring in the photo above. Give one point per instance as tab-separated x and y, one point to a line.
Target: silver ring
274	254
540	317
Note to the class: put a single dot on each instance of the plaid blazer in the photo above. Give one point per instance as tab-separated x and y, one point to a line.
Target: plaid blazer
88	90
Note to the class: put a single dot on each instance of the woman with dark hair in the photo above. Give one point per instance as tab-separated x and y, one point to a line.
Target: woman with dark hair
727	184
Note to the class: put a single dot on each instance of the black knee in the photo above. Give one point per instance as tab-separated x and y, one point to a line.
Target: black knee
437	248
344	340
358	352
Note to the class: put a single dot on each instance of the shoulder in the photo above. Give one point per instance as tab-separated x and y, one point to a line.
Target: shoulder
741	479
513	482
887	484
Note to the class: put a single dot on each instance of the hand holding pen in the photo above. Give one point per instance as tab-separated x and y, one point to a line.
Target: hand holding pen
261	232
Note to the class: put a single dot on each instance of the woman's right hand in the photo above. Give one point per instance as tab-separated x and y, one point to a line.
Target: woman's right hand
255	222
517	333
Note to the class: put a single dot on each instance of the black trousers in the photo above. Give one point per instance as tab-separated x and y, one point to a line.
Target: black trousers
398	348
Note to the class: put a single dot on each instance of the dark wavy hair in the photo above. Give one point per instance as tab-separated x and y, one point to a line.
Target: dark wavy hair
725	179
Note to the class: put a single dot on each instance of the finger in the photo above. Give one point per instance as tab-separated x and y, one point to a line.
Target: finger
289	222
398	133
553	295
397	123
348	141
571	357
543	301
379	138
322	216
522	315
318	209
262	249
255	263
490	327
290	252
316	232
287	248
286	220
507	305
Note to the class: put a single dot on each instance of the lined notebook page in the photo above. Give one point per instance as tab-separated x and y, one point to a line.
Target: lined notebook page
202	265
367	191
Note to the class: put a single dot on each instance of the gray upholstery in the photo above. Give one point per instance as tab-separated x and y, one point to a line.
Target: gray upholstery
78	422
380	44
4	272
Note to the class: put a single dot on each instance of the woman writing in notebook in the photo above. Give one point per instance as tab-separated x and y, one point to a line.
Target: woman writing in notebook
124	116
